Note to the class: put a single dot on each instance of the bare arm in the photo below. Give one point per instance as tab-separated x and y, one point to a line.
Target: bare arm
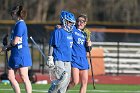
15	41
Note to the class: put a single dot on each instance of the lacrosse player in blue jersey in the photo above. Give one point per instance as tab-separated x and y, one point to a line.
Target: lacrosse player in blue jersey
81	45
79	62
60	52
20	58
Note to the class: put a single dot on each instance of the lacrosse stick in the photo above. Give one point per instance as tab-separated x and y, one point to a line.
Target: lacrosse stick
53	71
1	52
91	69
4	42
88	33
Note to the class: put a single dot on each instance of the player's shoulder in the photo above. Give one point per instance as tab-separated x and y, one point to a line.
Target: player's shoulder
58	29
21	23
75	29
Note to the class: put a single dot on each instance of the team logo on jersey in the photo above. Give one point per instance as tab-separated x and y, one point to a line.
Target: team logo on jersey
69	37
79	34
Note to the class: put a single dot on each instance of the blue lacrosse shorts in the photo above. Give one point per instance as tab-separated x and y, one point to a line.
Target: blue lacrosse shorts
80	63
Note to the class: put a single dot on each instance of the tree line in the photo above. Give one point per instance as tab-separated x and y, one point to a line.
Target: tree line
126	11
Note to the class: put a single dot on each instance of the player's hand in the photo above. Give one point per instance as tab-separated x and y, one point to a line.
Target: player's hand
88	43
58	26
6	48
50	62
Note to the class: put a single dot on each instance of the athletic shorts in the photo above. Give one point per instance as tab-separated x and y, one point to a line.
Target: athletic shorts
20	58
80	63
18	62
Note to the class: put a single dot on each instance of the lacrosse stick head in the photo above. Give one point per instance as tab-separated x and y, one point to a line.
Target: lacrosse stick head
2	53
3	50
5	40
87	33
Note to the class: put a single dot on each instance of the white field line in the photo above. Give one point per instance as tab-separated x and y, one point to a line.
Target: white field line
100	91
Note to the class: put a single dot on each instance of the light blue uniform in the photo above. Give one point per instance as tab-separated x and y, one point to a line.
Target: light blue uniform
20	53
79	59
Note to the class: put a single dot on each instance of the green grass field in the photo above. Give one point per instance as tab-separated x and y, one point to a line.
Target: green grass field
100	88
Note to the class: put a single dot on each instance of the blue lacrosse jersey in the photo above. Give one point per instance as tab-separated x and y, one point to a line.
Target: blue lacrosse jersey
79	41
79	58
20	53
61	41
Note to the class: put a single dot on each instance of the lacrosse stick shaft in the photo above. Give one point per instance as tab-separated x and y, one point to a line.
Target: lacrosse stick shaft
92	70
38	47
44	56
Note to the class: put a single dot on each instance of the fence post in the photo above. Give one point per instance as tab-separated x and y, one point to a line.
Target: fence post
118	57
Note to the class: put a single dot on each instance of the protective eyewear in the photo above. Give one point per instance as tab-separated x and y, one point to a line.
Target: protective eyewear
81	21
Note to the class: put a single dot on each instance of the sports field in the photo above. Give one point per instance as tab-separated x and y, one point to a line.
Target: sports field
100	88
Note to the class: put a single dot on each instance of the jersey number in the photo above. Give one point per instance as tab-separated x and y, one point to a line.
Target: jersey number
80	41
71	43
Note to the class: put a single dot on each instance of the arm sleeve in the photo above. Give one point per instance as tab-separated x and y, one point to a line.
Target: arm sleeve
50	50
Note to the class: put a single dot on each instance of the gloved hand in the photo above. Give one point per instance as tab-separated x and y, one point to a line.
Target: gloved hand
50	62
